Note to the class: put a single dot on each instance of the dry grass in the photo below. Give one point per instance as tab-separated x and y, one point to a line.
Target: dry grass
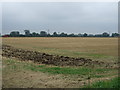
95	48
106	46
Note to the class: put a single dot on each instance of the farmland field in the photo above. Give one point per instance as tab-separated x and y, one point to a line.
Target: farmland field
50	76
74	47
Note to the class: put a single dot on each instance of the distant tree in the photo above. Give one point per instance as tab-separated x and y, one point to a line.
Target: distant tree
14	34
90	35
21	35
85	35
34	34
63	34
98	35
55	34
115	34
27	33
48	35
105	34
37	34
80	35
43	34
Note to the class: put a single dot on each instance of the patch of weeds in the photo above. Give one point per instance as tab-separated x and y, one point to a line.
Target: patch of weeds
41	66
113	83
65	70
102	70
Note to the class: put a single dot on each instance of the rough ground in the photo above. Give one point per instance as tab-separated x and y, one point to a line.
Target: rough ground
44	58
31	79
28	79
20	78
103	50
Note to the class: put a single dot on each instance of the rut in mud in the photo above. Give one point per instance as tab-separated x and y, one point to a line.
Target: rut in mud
43	58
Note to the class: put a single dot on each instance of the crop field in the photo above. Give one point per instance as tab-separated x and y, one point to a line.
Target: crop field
74	47
59	62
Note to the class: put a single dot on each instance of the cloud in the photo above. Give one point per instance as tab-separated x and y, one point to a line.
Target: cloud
68	17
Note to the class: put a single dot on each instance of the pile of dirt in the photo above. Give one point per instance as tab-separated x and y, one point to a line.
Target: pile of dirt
43	58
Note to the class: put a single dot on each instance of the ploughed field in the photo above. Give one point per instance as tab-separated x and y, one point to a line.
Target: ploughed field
76	62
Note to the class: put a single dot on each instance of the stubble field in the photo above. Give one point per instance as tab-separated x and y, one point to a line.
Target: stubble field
74	47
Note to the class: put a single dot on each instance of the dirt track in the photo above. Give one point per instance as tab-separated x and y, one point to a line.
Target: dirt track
44	58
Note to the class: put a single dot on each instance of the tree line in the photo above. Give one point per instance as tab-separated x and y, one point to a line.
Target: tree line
55	34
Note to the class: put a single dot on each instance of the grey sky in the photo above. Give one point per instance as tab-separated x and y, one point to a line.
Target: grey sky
66	17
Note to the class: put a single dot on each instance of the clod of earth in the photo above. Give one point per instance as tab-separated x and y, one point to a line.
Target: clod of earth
44	58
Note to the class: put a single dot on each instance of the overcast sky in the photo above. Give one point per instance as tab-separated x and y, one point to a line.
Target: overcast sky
69	17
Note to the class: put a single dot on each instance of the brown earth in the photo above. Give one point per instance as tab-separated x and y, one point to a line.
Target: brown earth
44	58
30	79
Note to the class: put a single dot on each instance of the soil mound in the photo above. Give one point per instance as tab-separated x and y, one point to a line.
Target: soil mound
43	58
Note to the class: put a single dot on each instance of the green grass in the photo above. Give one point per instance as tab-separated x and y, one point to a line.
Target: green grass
18	65
113	83
66	70
59	70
